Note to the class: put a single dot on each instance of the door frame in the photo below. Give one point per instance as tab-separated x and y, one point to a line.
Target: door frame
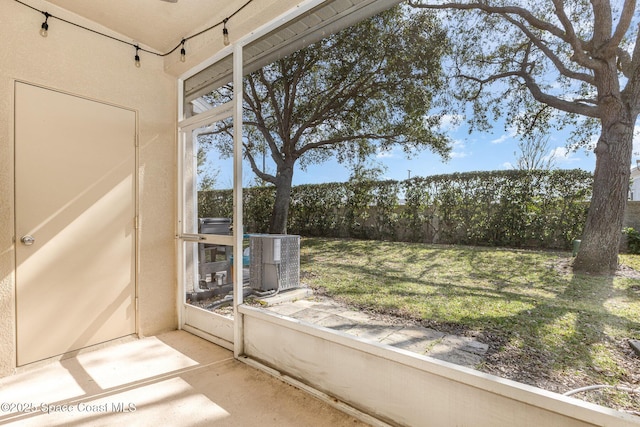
136	203
223	331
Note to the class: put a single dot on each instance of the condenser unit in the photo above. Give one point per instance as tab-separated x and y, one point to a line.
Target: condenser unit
274	262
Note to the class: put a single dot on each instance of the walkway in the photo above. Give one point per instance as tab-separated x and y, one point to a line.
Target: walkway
302	305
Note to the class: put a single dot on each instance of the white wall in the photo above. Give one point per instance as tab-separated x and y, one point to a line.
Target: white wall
406	389
85	64
634	187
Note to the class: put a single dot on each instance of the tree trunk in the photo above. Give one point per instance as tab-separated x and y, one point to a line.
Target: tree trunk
601	238
280	214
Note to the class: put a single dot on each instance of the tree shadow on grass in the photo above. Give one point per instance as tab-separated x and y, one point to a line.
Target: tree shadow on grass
563	342
552	330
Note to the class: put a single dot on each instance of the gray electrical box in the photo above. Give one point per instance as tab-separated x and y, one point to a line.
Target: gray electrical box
272	250
274	261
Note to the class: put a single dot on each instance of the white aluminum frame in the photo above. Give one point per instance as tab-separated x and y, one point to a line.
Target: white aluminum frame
492	400
185	127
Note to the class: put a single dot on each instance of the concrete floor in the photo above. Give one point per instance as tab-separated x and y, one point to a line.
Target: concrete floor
174	379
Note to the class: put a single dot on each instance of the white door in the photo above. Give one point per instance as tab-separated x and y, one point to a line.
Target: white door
199	267
193	263
75	163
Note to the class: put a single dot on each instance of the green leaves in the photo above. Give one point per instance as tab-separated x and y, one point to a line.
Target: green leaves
633	239
368	85
542	209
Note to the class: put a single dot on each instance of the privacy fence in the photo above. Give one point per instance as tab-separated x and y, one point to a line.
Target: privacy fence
541	209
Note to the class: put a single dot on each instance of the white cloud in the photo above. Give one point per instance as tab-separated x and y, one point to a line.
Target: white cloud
562	155
508	165
450	122
459	154
511	132
500	140
386	154
458	149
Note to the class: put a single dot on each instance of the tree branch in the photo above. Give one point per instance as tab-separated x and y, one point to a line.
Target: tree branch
254	167
272	97
568	36
490	79
549	54
626	17
337	140
335	101
576	44
485	7
261	125
631	92
558	103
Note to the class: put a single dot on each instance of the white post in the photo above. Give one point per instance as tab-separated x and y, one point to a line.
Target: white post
238	226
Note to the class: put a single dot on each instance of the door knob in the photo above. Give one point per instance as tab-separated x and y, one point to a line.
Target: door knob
28	240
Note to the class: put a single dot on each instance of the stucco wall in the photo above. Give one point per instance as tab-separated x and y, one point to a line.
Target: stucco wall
81	63
404	388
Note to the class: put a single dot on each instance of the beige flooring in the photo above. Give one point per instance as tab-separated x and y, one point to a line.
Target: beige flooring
173	379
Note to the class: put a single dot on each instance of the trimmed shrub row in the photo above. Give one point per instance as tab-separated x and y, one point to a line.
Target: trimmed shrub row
541	209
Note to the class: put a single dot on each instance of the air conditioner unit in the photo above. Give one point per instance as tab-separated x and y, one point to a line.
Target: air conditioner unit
274	262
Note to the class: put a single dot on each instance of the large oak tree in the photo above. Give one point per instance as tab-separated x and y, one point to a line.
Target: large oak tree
546	63
366	88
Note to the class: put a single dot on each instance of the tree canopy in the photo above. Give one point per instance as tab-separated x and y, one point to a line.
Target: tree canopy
545	64
366	88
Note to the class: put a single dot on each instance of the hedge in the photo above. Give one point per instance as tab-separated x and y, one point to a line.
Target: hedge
542	209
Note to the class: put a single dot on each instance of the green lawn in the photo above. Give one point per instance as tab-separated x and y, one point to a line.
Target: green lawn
545	326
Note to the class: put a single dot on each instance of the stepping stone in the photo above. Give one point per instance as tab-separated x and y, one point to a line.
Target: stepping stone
416	339
285	309
465	344
310	315
372	331
459	357
336	322
462	351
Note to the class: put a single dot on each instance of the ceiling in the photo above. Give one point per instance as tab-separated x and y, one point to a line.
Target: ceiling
161	25
158	24
328	17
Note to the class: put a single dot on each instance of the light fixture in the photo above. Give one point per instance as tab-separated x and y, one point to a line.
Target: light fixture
44	32
137	57
225	32
44	28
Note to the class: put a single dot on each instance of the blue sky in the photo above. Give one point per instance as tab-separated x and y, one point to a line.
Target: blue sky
470	152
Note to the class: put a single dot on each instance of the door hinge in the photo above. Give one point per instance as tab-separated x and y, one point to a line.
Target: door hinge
136	222
136	140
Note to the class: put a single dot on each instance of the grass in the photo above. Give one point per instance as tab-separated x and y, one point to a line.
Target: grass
545	325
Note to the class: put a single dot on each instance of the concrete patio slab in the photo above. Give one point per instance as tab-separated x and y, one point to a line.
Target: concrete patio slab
174	379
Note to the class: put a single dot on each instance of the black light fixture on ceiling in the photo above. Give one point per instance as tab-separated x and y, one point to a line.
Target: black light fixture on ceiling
44	28
183	53
137	57
225	32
